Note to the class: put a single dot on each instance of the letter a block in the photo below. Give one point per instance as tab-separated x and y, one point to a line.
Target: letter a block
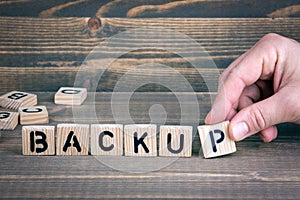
176	141
33	115
38	140
140	140
70	96
215	140
72	139
107	139
8	120
14	100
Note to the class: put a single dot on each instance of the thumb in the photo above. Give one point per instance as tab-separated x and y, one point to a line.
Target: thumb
257	117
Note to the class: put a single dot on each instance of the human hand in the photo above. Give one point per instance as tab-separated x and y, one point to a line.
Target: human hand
260	89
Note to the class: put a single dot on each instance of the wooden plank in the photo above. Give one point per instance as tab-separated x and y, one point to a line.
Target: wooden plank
57	47
146	8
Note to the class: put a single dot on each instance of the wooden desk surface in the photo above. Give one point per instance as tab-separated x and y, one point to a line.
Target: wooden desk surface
42	49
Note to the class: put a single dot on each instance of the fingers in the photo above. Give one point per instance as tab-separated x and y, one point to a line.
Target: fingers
258	63
260	116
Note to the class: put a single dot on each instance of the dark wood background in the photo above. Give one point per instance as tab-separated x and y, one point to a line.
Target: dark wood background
42	46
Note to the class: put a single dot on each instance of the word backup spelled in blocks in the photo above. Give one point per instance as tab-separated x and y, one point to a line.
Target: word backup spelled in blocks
215	140
8	120
72	139
70	96
140	140
107	139
38	140
14	100
176	141
33	115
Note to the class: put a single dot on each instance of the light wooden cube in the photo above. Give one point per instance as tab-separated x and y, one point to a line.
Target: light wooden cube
107	139
176	141
8	120
38	140
72	139
15	99
215	140
33	115
140	140
70	96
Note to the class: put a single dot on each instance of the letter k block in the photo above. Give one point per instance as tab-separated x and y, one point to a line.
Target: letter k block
140	140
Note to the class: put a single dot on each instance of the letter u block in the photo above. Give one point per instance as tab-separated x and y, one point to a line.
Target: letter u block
107	139
176	141
140	140
38	140
215	140
72	139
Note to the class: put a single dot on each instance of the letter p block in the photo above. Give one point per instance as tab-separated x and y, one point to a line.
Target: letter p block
215	140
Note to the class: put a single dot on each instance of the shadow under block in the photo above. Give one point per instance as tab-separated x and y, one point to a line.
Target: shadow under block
70	96
140	140
15	99
8	120
33	115
38	140
175	141
215	140
72	139
107	139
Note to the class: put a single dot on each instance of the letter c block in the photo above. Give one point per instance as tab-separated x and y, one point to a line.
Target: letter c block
107	139
38	140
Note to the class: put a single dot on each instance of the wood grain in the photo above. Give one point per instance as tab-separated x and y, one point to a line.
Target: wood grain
255	168
54	59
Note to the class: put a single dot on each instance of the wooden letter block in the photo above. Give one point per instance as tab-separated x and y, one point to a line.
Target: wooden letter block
8	120
38	140
33	115
176	141
140	140
72	139
107	139
215	140
70	96
14	100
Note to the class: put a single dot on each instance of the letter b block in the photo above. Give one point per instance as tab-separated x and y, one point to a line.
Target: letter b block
38	140
140	140
215	140
107	139
176	141
72	139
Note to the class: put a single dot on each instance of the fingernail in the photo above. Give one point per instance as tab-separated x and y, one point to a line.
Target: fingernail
240	130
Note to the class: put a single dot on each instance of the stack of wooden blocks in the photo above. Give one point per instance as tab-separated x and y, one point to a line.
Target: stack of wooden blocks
104	139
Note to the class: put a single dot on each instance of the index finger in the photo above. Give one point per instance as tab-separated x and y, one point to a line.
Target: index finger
258	63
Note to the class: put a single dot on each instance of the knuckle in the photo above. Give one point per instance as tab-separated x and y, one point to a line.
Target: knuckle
257	119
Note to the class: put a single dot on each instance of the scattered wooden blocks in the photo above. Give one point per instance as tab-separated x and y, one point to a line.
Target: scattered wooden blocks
72	139
215	140
38	140
70	96
8	120
33	115
140	140
107	139
15	99
176	141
